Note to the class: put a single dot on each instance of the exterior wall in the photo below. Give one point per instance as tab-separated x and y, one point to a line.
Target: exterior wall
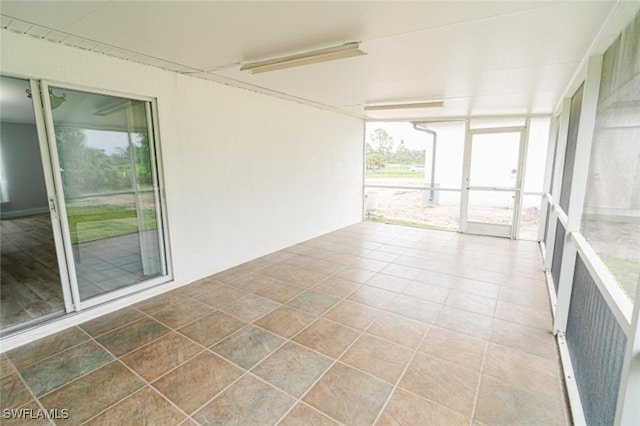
245	174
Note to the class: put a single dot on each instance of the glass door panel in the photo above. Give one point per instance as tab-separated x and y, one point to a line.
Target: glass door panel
108	173
31	285
493	181
491	207
494	160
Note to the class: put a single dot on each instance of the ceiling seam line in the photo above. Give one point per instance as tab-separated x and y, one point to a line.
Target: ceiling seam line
436	27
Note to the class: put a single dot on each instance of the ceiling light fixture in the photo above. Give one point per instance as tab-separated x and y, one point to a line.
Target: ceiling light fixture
430	104
56	101
346	50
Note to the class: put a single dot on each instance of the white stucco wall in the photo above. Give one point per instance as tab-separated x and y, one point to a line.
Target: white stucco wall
246	174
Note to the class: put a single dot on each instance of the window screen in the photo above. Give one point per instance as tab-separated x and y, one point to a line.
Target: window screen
611	216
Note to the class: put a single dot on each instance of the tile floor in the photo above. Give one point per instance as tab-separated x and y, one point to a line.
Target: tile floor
371	324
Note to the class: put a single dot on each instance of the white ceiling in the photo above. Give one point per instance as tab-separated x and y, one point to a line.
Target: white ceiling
480	57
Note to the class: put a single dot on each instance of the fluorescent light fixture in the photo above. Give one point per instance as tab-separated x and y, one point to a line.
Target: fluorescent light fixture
346	50
430	104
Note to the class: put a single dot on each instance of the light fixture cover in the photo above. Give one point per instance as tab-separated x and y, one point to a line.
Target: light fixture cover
346	50
427	104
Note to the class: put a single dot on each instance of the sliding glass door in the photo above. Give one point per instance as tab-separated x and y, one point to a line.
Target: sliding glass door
81	217
34	284
108	179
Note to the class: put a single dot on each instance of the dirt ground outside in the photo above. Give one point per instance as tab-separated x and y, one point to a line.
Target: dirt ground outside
413	207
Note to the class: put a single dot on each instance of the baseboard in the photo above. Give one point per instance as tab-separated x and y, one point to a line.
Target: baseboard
16	214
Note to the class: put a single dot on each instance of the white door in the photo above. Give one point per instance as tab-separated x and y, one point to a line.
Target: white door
492	181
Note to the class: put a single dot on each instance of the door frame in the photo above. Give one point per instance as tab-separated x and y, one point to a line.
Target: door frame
52	194
77	304
491	229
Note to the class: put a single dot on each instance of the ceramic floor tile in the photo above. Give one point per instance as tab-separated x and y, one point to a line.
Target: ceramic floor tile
91	394
336	286
321	266
429	292
400	330
523	315
339	394
248	346
5	366
442	382
280	291
303	277
302	414
465	322
372	296
477	287
425	309
285	271
182	313
157	358
520	369
405	408
536	297
327	337
253	282
371	265
50	373
250	307
383	256
448	345
292	368
358	275
248	402
212	328
143	407
414	308
221	296
111	321
14	392
132	336
402	271
199	287
35	351
437	279
501	404
352	314
341	258
197	381
313	302
160	302
471	302
388	282
415	260
383	359
533	340
232	274
285	321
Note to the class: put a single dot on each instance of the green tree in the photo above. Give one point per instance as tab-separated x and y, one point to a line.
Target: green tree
403	155
382	142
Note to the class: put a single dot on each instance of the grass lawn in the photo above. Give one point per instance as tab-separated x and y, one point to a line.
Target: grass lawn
91	223
394	172
625	271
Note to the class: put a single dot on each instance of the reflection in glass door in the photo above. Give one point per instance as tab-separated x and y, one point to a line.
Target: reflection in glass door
107	171
491	196
32	287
